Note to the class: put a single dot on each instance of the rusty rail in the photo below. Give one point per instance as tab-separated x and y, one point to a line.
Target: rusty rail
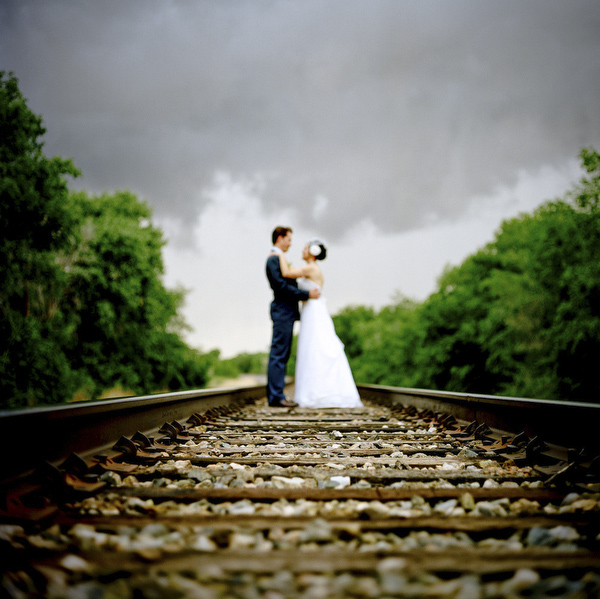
54	432
571	424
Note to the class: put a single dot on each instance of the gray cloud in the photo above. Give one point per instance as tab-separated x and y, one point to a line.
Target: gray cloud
397	112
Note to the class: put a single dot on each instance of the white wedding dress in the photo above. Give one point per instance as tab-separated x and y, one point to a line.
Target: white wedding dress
323	377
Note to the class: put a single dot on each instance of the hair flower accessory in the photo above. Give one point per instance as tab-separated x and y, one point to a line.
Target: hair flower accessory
317	249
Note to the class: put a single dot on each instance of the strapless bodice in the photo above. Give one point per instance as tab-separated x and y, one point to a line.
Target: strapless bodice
307	284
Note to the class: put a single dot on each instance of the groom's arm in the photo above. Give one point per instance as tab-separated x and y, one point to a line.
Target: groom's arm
281	285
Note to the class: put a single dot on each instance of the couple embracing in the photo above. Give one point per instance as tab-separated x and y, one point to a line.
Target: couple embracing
323	378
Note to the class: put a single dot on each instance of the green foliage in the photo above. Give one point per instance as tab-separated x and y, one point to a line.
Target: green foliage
115	295
291	365
83	306
519	317
244	363
34	222
378	344
117	301
586	195
252	363
351	325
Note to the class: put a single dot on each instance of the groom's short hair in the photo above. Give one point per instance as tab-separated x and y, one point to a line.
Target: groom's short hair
280	232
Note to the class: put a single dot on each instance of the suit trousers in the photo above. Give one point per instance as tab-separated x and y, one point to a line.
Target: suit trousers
281	346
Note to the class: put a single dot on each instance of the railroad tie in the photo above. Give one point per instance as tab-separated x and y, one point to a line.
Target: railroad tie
251	501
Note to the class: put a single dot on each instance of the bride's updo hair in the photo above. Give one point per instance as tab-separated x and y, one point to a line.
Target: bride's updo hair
317	249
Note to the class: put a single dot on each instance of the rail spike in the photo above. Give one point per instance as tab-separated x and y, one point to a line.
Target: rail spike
125	446
142	440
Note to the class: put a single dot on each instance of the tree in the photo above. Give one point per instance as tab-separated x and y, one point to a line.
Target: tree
82	303
34	222
379	344
520	317
575	247
350	326
452	353
125	324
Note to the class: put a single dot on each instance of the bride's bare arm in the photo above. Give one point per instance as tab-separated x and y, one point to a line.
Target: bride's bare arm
290	273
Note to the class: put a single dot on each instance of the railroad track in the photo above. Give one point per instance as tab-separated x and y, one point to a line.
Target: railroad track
417	494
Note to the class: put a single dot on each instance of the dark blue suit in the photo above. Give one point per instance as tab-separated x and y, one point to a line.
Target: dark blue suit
284	312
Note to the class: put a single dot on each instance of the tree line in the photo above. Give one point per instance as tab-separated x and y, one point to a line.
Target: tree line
83	307
520	317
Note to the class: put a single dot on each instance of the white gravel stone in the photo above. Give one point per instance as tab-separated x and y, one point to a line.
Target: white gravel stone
89	538
570	498
522	580
490	484
242	540
375	510
445	507
284	482
564	533
74	563
341	481
182	465
242	508
335	466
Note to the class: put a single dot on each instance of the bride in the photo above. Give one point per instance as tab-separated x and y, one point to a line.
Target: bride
323	377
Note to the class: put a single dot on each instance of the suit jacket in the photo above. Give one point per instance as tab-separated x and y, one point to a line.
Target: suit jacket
286	294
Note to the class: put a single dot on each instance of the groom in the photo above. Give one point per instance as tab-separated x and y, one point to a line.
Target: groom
284	312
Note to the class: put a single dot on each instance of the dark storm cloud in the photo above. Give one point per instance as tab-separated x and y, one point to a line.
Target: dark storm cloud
394	111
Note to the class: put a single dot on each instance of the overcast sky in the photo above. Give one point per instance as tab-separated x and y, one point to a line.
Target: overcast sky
400	132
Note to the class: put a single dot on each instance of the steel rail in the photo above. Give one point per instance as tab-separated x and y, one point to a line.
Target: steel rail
566	423
53	433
